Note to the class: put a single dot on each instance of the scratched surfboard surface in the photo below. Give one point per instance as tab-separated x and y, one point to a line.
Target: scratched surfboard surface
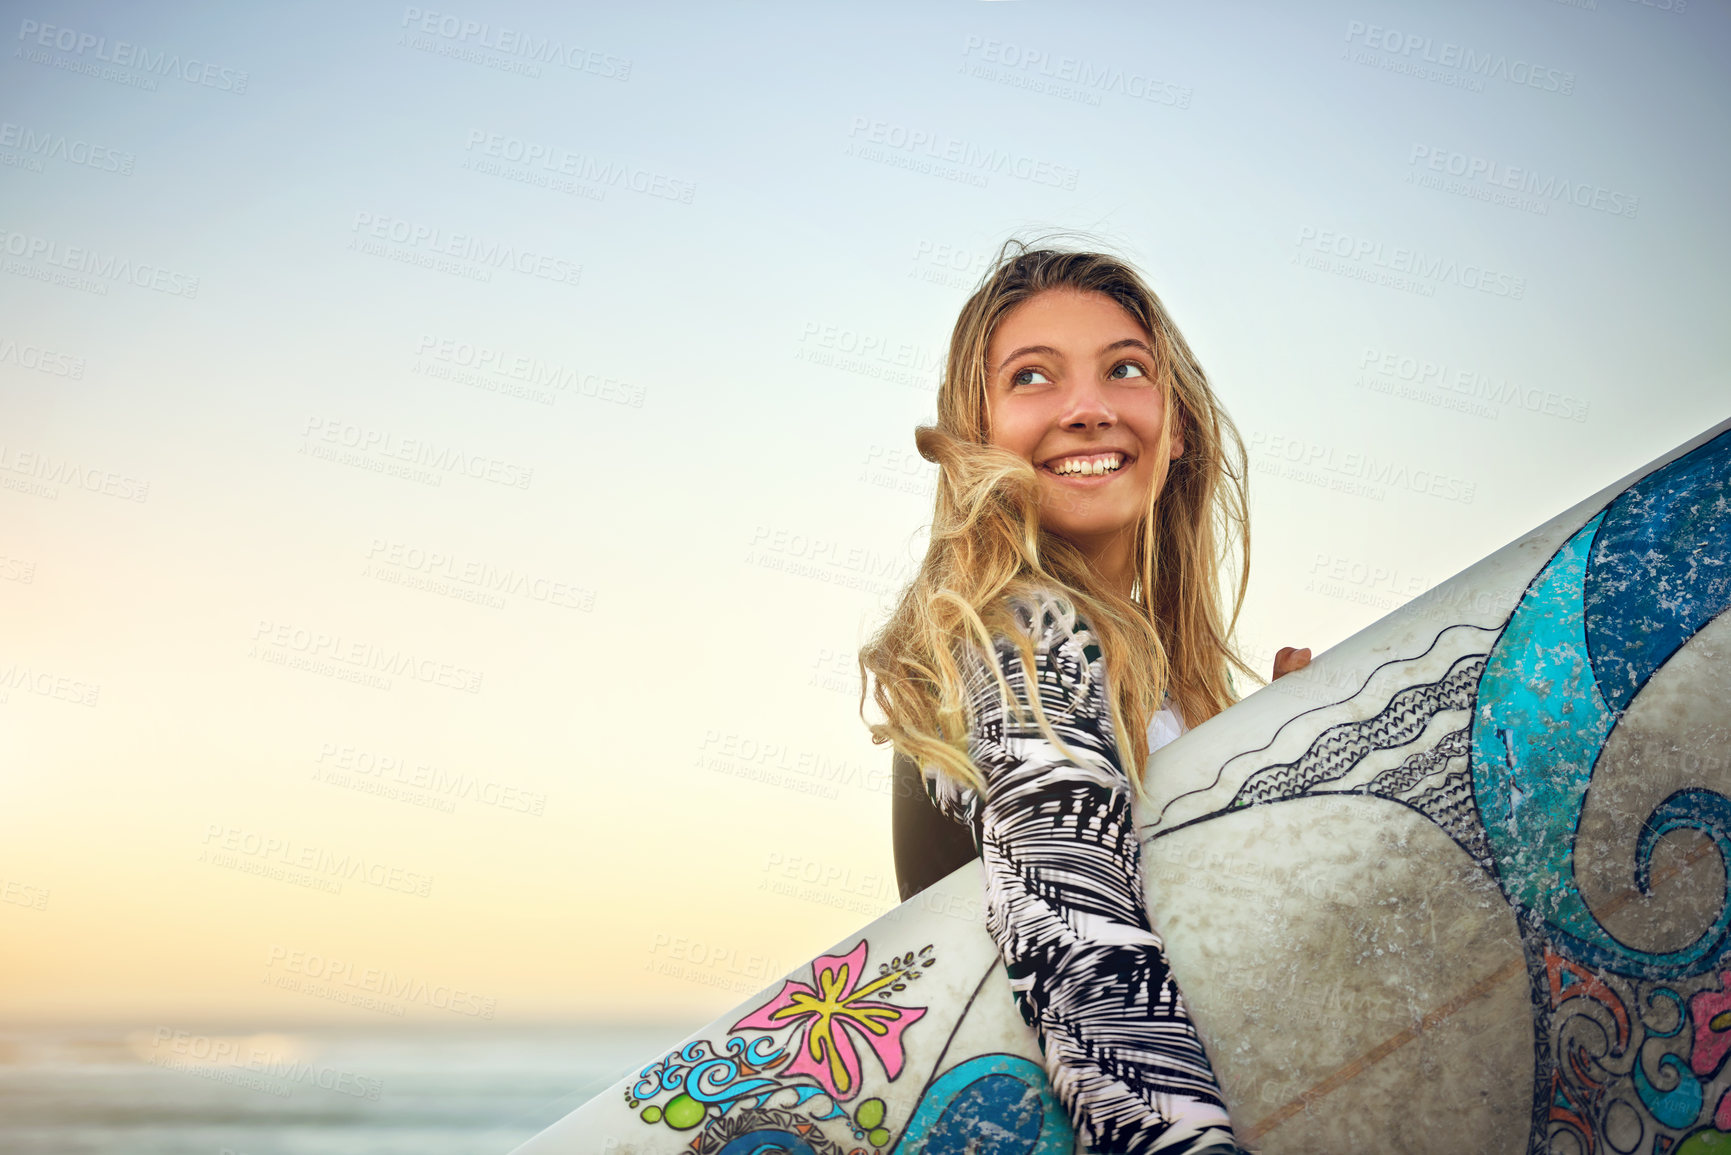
1460	885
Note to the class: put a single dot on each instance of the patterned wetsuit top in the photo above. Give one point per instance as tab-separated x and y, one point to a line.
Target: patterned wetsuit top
1064	901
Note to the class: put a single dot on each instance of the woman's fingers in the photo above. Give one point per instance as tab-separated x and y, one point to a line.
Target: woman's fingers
1290	659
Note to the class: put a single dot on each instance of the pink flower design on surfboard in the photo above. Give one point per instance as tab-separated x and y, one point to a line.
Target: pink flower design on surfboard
1711	1011
834	1011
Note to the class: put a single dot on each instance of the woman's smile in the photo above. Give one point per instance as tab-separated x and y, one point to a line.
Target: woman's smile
1089	467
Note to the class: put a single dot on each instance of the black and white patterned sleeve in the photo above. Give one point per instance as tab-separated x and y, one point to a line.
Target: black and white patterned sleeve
1064	902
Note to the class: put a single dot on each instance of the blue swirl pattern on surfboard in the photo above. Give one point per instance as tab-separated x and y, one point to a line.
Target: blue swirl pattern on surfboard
987	1105
1614	603
1006	1090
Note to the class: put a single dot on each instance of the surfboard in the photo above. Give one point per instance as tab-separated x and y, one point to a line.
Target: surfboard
1460	885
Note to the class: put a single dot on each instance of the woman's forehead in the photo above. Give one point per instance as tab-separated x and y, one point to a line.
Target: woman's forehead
1053	316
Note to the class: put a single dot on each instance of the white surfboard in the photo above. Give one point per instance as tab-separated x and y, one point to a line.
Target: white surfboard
1458	886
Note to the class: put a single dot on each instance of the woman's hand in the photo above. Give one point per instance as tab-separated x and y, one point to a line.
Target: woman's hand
1289	659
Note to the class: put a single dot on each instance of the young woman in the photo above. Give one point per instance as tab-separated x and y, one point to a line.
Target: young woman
1066	619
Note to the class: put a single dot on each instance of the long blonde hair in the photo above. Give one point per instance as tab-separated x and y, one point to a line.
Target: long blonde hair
987	544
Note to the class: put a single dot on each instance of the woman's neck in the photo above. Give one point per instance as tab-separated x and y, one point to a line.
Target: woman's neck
1111	558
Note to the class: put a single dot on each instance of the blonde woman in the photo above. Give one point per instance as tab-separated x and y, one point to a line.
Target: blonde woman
1066	620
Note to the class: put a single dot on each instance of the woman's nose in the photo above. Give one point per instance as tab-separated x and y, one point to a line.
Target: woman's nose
1087	408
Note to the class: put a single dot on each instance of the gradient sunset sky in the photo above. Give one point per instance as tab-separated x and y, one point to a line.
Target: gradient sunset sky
455	454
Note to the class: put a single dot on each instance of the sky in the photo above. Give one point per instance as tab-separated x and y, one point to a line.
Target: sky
450	457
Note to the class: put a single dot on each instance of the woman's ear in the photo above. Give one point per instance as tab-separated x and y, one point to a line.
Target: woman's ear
1177	434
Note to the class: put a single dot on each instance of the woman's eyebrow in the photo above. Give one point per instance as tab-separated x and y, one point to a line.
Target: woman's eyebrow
1126	343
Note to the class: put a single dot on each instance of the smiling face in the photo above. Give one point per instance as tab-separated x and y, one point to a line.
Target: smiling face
1071	388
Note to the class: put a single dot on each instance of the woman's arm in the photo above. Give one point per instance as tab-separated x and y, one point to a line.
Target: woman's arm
928	844
1064	902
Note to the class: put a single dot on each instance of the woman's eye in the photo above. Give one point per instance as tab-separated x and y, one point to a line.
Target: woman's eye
1016	377
1129	365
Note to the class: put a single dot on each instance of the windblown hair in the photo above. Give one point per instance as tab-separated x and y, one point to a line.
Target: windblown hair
987	542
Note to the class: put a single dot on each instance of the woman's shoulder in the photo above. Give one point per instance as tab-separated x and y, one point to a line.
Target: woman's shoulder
1044	612
1050	618
1038	605
1166	725
1065	654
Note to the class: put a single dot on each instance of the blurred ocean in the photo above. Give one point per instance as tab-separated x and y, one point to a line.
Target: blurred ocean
303	1090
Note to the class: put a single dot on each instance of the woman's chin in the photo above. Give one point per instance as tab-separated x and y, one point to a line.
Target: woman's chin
1091	512
1087	530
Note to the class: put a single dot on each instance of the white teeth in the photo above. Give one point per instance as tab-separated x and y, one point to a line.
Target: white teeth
1091	466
